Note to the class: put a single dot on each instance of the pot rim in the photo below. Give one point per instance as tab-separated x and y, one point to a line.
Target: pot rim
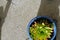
32	20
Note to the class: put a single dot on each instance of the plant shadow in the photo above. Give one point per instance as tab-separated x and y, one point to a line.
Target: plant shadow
50	8
3	14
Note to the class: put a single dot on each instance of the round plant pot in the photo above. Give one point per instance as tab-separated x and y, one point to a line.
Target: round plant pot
37	19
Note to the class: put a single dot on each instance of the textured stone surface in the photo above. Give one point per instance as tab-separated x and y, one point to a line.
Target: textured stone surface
18	16
20	12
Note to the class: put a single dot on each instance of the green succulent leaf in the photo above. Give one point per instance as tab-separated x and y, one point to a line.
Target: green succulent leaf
40	31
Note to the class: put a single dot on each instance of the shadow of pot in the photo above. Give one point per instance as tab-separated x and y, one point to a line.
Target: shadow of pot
36	19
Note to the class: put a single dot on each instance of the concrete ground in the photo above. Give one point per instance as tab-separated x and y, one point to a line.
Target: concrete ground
15	16
19	13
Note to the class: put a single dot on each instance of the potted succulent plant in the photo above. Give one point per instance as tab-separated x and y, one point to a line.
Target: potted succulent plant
41	28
